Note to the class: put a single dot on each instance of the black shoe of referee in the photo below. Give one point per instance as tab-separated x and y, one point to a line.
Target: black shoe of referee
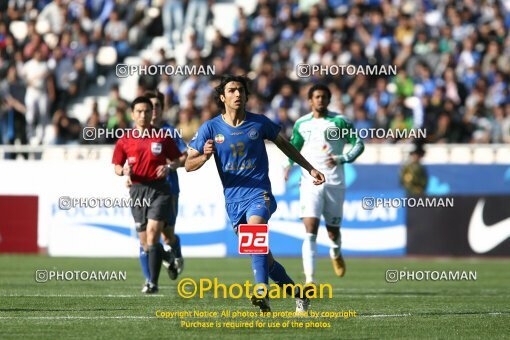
150	288
169	264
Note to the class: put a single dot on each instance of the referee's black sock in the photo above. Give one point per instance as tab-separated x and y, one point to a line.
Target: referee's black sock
155	258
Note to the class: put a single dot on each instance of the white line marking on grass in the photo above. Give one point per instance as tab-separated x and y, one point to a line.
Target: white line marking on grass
66	317
87	296
408	314
378	296
385	316
63	317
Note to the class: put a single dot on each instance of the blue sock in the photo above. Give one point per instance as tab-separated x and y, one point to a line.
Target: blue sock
176	247
259	264
144	262
278	274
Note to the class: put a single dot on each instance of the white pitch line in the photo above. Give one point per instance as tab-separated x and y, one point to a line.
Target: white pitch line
75	317
60	317
376	296
88	296
385	316
408	314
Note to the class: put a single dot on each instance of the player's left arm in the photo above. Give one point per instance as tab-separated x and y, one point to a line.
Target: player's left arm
290	151
357	145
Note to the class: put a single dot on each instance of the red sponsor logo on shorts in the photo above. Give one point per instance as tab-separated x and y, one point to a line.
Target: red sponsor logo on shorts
253	239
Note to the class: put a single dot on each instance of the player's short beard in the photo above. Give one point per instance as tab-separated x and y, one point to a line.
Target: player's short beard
240	109
322	110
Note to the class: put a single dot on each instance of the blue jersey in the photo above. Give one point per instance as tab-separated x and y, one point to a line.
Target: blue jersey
240	154
172	177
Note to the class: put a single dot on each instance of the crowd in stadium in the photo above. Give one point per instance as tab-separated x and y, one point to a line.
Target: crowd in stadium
452	57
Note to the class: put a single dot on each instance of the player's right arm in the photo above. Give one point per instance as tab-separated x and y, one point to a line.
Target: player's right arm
196	159
123	170
290	151
200	150
119	158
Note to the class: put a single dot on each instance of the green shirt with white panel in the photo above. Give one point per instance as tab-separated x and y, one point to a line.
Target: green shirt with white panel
318	138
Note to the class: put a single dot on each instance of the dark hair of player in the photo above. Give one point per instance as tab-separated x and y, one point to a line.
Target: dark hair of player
155	94
139	100
319	87
220	89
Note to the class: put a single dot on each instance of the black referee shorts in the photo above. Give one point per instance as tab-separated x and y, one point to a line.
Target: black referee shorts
158	192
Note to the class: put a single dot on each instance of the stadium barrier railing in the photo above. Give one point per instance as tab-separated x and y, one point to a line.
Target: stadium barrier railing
373	154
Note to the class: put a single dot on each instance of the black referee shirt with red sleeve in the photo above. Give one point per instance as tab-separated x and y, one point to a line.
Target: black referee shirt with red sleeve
145	154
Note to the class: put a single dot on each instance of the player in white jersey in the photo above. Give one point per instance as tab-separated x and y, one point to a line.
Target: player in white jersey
320	136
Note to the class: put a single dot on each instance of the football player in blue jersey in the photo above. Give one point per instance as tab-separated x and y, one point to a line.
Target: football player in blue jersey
236	139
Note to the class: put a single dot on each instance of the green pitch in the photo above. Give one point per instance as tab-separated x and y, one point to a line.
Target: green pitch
117	309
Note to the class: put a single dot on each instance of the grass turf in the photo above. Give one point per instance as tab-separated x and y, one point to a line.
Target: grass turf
117	309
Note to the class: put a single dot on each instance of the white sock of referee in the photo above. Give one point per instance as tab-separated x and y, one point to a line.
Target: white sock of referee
336	245
309	251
